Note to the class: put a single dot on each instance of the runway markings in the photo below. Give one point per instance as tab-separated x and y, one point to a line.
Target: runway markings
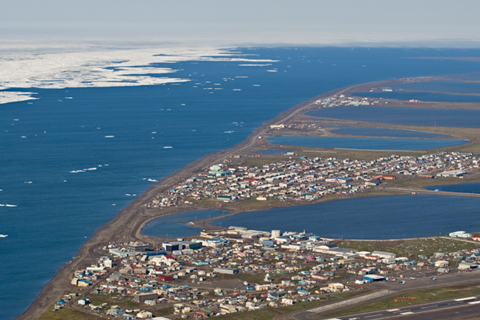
393	310
474	302
406	313
465	299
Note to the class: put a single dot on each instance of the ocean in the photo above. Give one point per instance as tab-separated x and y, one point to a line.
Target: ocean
75	157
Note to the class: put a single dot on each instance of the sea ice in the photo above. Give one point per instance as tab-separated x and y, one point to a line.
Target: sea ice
98	68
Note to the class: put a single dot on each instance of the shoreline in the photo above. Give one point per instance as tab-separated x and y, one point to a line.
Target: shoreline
130	215
135	216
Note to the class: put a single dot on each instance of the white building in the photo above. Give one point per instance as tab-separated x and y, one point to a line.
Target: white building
460	234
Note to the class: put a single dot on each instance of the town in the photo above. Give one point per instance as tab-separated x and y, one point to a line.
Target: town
238	270
308	179
228	271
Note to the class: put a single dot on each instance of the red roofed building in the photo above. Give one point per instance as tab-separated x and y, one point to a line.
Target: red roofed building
165	278
385	177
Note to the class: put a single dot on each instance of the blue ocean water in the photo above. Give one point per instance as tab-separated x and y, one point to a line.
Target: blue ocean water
389	217
57	211
177	226
463	187
363	143
404	116
383	132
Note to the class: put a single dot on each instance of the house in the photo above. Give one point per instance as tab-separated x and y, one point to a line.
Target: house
382	254
442	270
476	237
441	263
165	278
226	270
141	297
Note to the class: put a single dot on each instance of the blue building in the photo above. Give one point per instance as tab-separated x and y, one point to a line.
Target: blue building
373	278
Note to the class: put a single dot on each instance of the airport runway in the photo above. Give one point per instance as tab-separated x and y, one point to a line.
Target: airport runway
461	308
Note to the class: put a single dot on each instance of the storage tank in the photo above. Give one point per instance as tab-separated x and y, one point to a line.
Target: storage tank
276	233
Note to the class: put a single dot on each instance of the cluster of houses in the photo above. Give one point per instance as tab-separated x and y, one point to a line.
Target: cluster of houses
308	179
237	270
342	100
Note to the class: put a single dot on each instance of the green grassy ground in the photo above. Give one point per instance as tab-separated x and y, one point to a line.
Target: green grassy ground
269	313
69	314
414	247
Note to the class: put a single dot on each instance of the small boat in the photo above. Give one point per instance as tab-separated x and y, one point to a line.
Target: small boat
109	137
10	205
168	147
3	235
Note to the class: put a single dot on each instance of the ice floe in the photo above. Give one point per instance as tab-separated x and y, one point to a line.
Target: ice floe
98	68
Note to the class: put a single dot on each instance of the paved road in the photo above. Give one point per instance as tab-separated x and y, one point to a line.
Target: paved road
422	311
442	193
394	290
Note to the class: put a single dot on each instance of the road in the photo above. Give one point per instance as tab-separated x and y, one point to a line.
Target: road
441	193
389	290
434	310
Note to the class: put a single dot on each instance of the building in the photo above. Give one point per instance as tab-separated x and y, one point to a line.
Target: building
383	254
467	266
451	173
385	177
137	246
141	297
173	246
373	278
226	270
165	278
460	234
441	263
442	270
276	233
338	179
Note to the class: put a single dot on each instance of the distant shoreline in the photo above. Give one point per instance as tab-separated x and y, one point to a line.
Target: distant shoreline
129	222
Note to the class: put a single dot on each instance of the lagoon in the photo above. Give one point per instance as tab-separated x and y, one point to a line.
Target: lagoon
177	225
463	188
388	217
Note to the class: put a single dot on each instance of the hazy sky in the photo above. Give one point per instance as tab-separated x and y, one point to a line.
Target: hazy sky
446	22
